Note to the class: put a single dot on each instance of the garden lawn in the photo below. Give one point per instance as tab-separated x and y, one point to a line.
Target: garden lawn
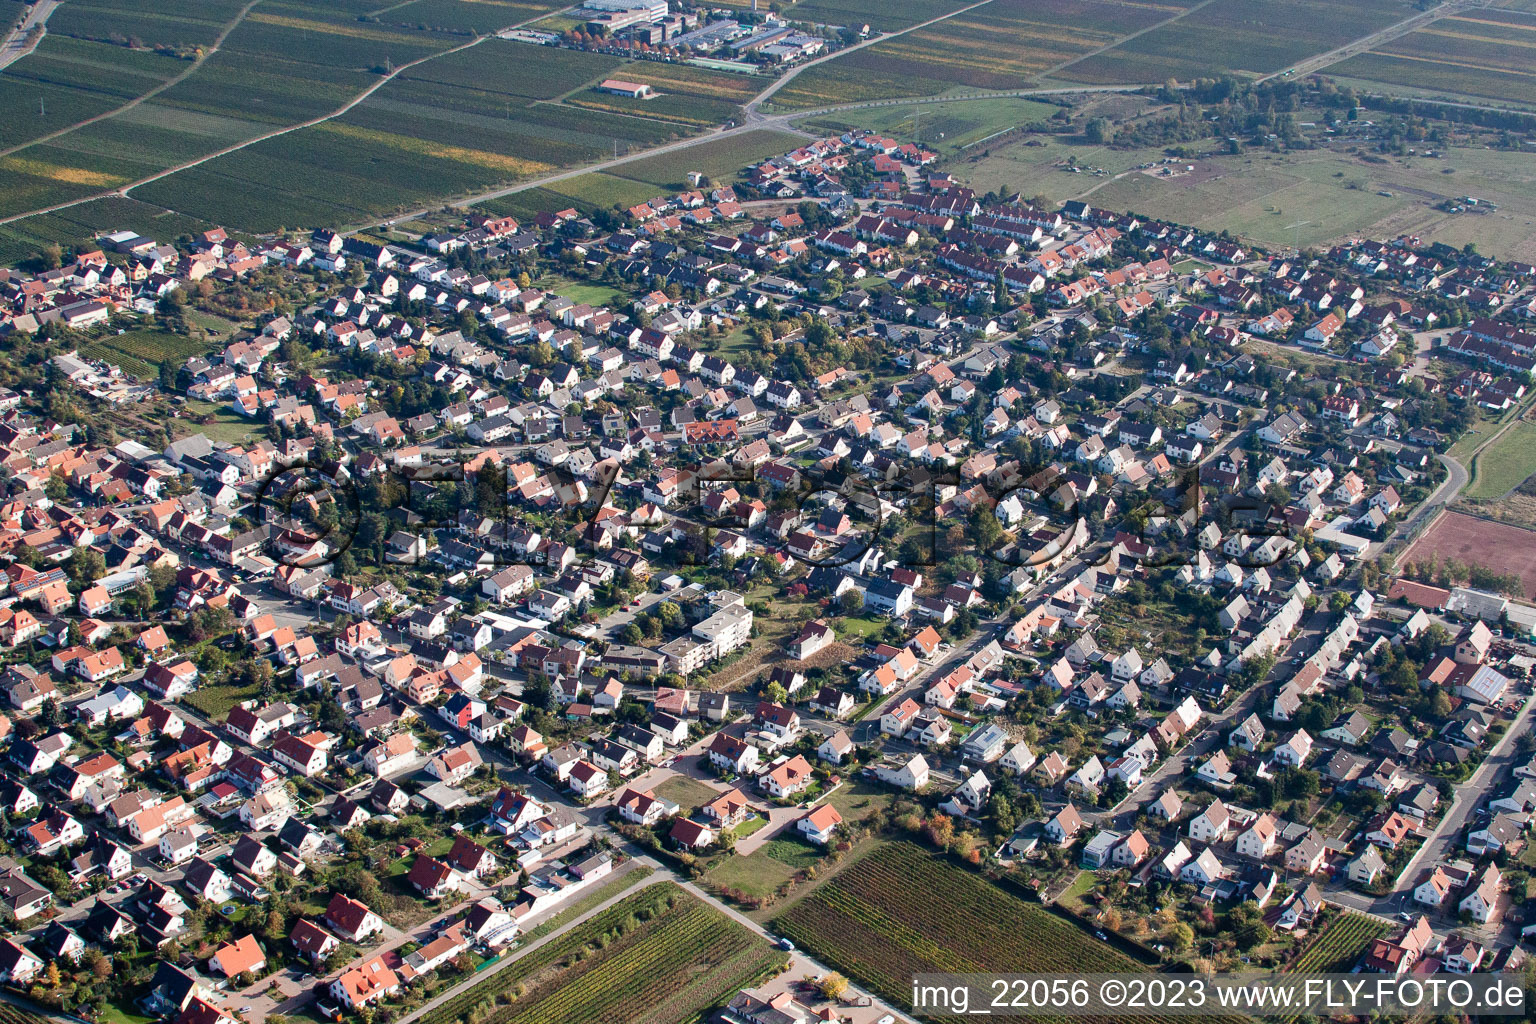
687	793
756	874
1504	464
856	800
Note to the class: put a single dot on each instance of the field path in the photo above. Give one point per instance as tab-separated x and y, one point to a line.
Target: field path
157	90
360	97
1358	46
799	963
775	122
16	45
758	100
1476	457
1049	72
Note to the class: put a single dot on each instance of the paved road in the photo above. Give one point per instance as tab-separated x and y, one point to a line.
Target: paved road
360	97
751	109
1442	843
522	951
16	45
1361	45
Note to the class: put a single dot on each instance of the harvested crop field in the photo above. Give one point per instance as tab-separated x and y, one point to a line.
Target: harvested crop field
1498	547
875	921
1489	54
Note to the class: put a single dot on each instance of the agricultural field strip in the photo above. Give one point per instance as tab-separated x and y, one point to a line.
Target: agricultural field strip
686	936
1473	53
763	96
151	94
1340	944
875	922
933	65
1338	947
1392	32
780	122
375	87
777	122
1048	72
1250	39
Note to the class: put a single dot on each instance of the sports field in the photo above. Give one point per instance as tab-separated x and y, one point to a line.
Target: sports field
1498	547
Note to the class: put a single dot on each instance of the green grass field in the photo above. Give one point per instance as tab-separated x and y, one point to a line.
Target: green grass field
217	701
1504	464
600	191
226	426
719	160
856	800
1304	197
946	128
756	874
761	872
687	793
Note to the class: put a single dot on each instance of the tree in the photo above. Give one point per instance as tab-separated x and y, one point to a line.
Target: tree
50	715
941	831
86	566
852	602
833	986
1181	936
1098	131
776	693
